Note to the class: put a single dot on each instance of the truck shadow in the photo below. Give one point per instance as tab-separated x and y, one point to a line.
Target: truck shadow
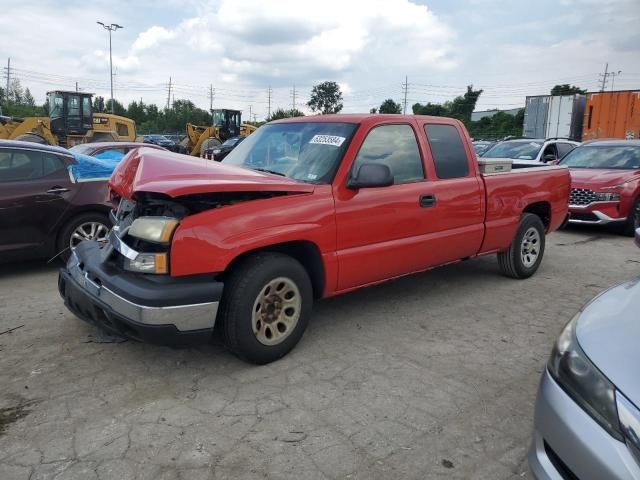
28	267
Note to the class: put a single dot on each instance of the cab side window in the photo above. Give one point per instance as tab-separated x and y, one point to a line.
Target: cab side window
564	148
395	146
447	149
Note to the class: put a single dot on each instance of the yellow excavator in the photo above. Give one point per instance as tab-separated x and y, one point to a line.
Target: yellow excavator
226	124
71	121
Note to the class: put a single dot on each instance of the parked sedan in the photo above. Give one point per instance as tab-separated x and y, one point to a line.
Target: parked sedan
481	146
532	150
605	183
218	152
44	209
161	141
110	150
587	416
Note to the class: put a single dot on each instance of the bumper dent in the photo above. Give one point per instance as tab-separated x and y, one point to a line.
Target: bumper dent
156	310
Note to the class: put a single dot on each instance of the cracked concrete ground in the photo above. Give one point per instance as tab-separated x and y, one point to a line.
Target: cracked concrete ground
429	376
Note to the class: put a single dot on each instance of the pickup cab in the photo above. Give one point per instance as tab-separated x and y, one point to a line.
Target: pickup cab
303	209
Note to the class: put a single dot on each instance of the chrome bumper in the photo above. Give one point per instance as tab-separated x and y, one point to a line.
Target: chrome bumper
603	219
183	317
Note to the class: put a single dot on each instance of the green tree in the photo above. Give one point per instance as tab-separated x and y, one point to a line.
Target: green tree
98	104
498	126
118	108
433	109
389	106
326	98
281	113
373	110
137	112
29	101
16	93
461	107
566	89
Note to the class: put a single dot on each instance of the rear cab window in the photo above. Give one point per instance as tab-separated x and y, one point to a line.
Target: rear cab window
447	150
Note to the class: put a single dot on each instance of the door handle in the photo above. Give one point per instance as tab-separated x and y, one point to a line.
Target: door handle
57	189
428	200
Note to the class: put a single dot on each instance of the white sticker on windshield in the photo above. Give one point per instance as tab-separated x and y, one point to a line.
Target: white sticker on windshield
328	140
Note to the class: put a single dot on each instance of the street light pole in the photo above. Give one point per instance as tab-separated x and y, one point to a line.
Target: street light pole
110	28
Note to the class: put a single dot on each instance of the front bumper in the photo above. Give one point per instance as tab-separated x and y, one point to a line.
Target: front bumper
567	441
599	213
156	309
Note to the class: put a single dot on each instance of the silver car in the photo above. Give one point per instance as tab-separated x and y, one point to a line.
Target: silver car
587	418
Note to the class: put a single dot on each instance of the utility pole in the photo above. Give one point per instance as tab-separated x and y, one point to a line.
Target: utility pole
111	28
269	102
76	86
293	94
8	70
405	87
169	94
613	76
212	92
604	77
250	107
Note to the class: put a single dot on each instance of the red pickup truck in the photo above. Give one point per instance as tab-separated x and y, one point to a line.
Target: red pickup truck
302	209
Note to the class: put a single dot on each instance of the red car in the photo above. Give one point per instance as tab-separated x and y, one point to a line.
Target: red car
302	209
605	183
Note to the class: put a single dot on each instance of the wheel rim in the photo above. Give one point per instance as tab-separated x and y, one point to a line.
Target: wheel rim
636	216
530	250
88	231
276	311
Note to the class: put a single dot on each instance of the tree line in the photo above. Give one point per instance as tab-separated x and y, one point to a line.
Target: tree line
326	98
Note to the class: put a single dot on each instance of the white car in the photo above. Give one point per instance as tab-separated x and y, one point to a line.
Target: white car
533	151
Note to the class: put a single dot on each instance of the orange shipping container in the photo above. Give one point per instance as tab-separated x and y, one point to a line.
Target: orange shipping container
612	115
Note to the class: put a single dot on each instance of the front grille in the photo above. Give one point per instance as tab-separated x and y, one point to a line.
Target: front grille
585	217
582	196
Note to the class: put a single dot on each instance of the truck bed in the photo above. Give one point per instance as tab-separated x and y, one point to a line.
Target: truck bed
508	193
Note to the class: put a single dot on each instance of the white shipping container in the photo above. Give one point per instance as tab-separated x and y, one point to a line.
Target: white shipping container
565	116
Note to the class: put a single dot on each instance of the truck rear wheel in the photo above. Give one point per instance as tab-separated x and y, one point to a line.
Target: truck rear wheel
524	255
266	307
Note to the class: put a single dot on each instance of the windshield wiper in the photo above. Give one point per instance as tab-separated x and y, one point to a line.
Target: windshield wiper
266	170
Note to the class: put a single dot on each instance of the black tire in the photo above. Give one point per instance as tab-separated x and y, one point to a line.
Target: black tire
633	221
513	261
33	138
63	249
245	283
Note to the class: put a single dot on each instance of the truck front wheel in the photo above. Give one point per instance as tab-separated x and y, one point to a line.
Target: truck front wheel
524	255
266	307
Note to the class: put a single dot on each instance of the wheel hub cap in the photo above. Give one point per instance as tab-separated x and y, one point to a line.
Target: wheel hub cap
88	231
530	249
276	311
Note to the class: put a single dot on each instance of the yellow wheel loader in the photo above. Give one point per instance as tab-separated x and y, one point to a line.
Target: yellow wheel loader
71	121
226	124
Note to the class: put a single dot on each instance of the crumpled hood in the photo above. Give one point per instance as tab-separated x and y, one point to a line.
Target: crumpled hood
595	178
152	170
608	331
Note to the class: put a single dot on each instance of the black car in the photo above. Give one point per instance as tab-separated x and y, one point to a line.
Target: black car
162	141
218	152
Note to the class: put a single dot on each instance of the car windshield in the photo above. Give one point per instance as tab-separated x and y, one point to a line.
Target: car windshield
231	142
305	151
83	148
518	150
481	147
623	157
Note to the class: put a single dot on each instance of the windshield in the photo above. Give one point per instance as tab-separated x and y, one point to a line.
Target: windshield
519	150
55	105
231	142
83	148
305	151
480	148
621	157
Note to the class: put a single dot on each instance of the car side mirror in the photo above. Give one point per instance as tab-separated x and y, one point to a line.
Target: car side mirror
371	175
638	237
548	157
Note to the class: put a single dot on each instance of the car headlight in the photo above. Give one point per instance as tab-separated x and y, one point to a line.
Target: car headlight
153	229
583	382
148	263
607	197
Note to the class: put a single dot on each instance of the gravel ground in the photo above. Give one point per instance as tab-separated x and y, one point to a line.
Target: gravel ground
430	376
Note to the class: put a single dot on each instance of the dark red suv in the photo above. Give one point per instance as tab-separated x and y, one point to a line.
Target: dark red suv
43	210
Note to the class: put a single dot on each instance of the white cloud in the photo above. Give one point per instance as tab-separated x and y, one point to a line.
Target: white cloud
151	37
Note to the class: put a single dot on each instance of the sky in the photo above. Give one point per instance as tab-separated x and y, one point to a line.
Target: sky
240	49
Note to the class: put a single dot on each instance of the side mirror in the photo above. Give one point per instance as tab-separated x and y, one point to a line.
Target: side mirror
548	157
638	237
371	175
